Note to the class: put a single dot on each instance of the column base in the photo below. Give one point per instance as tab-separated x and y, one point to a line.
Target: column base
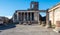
48	26
24	23
29	23
39	23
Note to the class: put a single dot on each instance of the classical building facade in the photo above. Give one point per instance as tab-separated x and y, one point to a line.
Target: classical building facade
27	16
30	15
24	16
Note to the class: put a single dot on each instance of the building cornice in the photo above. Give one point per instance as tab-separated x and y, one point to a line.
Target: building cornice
54	7
30	10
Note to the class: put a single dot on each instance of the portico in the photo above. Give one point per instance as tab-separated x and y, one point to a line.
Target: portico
27	16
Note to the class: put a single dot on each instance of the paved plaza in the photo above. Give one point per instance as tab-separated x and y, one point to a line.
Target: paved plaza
27	30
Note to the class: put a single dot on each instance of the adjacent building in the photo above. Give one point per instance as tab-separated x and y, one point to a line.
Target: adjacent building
54	16
3	20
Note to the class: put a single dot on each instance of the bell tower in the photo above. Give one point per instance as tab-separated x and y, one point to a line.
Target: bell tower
34	5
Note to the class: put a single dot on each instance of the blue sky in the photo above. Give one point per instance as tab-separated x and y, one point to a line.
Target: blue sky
8	7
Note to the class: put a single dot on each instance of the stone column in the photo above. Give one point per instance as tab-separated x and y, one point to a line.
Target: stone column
27	16
29	19
47	20
24	20
13	18
39	22
17	17
20	17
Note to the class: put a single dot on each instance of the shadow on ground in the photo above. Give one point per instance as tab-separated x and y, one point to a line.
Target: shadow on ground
8	26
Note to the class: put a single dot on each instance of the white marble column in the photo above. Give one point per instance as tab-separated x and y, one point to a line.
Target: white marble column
27	16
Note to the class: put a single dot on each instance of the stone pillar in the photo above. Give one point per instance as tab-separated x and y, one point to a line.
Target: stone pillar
47	20
17	17
13	18
38	18
27	18
24	20
20	20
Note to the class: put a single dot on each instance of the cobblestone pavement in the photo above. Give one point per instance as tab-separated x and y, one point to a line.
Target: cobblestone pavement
28	30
